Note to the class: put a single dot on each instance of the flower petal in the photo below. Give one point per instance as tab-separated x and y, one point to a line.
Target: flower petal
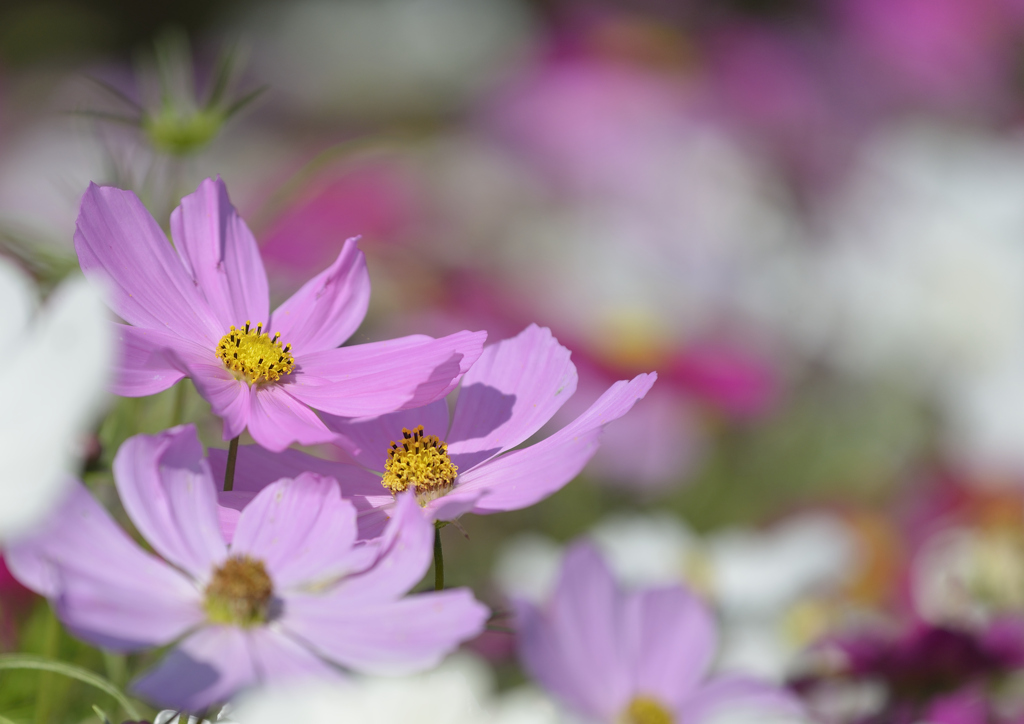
302	530
573	647
405	553
119	243
742	693
106	589
378	378
328	308
391	637
208	667
367	439
278	657
52	389
512	390
228	396
523	477
146	364
167	490
256	468
674	642
277	420
222	256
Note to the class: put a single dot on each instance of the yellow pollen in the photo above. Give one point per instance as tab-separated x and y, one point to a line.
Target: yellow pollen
239	593
420	461
645	710
253	354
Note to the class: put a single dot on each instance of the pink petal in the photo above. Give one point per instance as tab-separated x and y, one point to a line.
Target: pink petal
674	640
143	368
119	243
208	667
278	657
367	439
106	589
256	468
222	256
228	396
328	308
390	637
523	477
729	692
276	420
512	390
406	551
573	648
378	378
167	490
302	530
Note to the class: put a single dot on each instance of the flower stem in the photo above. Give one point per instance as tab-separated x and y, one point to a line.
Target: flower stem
229	471
438	561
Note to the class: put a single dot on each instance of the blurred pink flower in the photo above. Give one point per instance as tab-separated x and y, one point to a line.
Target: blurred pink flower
290	595
613	655
199	309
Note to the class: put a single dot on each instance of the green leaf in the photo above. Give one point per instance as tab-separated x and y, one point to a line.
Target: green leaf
5	720
27	661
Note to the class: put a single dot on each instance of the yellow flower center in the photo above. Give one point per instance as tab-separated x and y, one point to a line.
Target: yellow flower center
254	355
645	710
239	593
420	461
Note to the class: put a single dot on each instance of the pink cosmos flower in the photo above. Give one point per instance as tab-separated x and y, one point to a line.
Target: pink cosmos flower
200	309
643	656
467	464
291	595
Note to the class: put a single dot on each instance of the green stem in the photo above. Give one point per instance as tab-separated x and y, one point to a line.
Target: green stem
51	647
27	661
178	409
438	561
229	471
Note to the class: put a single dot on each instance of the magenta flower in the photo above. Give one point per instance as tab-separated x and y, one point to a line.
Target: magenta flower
203	312
293	594
468	465
615	656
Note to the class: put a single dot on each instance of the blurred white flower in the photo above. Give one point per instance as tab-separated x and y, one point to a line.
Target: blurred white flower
764	583
58	362
921	278
459	691
168	716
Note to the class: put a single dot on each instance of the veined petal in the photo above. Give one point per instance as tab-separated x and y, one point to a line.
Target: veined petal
367	439
229	397
119	243
523	477
208	667
276	420
302	530
222	256
256	468
389	637
144	366
167	490
405	554
378	378
328	308
106	589
278	657
512	390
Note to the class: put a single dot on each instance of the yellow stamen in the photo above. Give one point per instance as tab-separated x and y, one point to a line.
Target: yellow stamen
254	355
645	710
420	461
239	593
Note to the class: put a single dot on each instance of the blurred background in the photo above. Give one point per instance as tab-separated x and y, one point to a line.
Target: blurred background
806	215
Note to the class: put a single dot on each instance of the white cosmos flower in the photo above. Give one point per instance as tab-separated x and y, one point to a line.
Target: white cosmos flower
57	362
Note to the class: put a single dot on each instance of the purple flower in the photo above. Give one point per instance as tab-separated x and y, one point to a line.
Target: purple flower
637	657
467	465
203	312
293	594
